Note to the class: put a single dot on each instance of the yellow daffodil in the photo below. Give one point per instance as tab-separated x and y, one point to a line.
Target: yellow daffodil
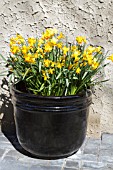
90	49
25	49
81	64
20	39
36	55
59	45
76	59
12	41
73	48
54	41
78	70
61	35
98	49
90	59
52	64
65	50
80	39
15	49
84	55
59	65
44	74
49	33
95	65
47	62
51	71
76	54
31	41
45	77
40	42
39	50
29	58
48	47
84	63
110	57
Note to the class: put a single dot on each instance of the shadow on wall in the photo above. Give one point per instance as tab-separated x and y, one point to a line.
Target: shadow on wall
7	123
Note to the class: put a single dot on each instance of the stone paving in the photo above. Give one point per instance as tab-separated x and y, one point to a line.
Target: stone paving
95	154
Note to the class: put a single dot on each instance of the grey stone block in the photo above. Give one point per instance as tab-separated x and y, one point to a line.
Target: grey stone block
2	152
67	168
106	159
45	167
104	168
110	166
26	161
6	145
72	164
9	163
92	146
94	165
106	147
89	157
58	162
32	161
107	142
86	157
107	139
15	153
93	141
9	159
106	152
12	166
4	139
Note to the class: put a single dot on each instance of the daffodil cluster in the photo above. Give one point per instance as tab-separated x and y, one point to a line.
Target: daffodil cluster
50	67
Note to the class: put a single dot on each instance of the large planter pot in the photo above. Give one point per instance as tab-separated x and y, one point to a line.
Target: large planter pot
50	127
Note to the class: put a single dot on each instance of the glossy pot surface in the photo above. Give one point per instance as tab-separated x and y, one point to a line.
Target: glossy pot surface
50	127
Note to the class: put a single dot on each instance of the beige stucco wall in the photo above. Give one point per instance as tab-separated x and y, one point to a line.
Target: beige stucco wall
94	19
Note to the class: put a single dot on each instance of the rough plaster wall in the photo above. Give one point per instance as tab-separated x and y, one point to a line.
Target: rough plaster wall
74	17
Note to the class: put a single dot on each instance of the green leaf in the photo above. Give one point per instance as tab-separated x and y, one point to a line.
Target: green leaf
38	81
58	75
49	91
66	91
11	78
40	65
26	73
29	78
84	75
42	87
67	82
73	89
75	78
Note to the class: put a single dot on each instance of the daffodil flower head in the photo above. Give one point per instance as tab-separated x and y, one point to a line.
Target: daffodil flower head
78	70
81	39
48	47
65	50
110	57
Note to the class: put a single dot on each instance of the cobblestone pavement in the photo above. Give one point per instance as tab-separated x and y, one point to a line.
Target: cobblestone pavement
95	154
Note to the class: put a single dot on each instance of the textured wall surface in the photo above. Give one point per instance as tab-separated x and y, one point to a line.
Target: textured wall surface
94	19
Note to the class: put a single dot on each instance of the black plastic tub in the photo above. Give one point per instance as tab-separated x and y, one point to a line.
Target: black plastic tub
50	127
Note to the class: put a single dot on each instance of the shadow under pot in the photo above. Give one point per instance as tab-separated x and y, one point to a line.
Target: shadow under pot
50	127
